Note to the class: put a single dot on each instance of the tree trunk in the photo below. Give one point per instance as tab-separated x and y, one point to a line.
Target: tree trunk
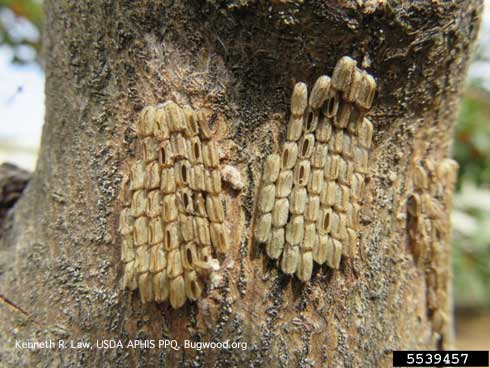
107	60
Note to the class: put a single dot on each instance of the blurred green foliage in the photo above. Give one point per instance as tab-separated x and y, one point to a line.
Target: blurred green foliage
472	137
29	9
20	28
471	246
471	214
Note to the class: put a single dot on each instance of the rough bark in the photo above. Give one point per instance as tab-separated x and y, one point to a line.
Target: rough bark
106	60
13	180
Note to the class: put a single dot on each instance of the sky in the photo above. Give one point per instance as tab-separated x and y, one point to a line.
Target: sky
22	97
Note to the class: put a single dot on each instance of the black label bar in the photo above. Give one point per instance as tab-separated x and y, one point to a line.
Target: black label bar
432	358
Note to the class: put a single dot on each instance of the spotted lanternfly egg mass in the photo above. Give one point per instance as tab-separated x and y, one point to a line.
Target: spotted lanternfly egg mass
429	230
310	194
172	221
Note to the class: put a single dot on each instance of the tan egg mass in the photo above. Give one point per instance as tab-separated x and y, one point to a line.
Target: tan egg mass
310	196
172	221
